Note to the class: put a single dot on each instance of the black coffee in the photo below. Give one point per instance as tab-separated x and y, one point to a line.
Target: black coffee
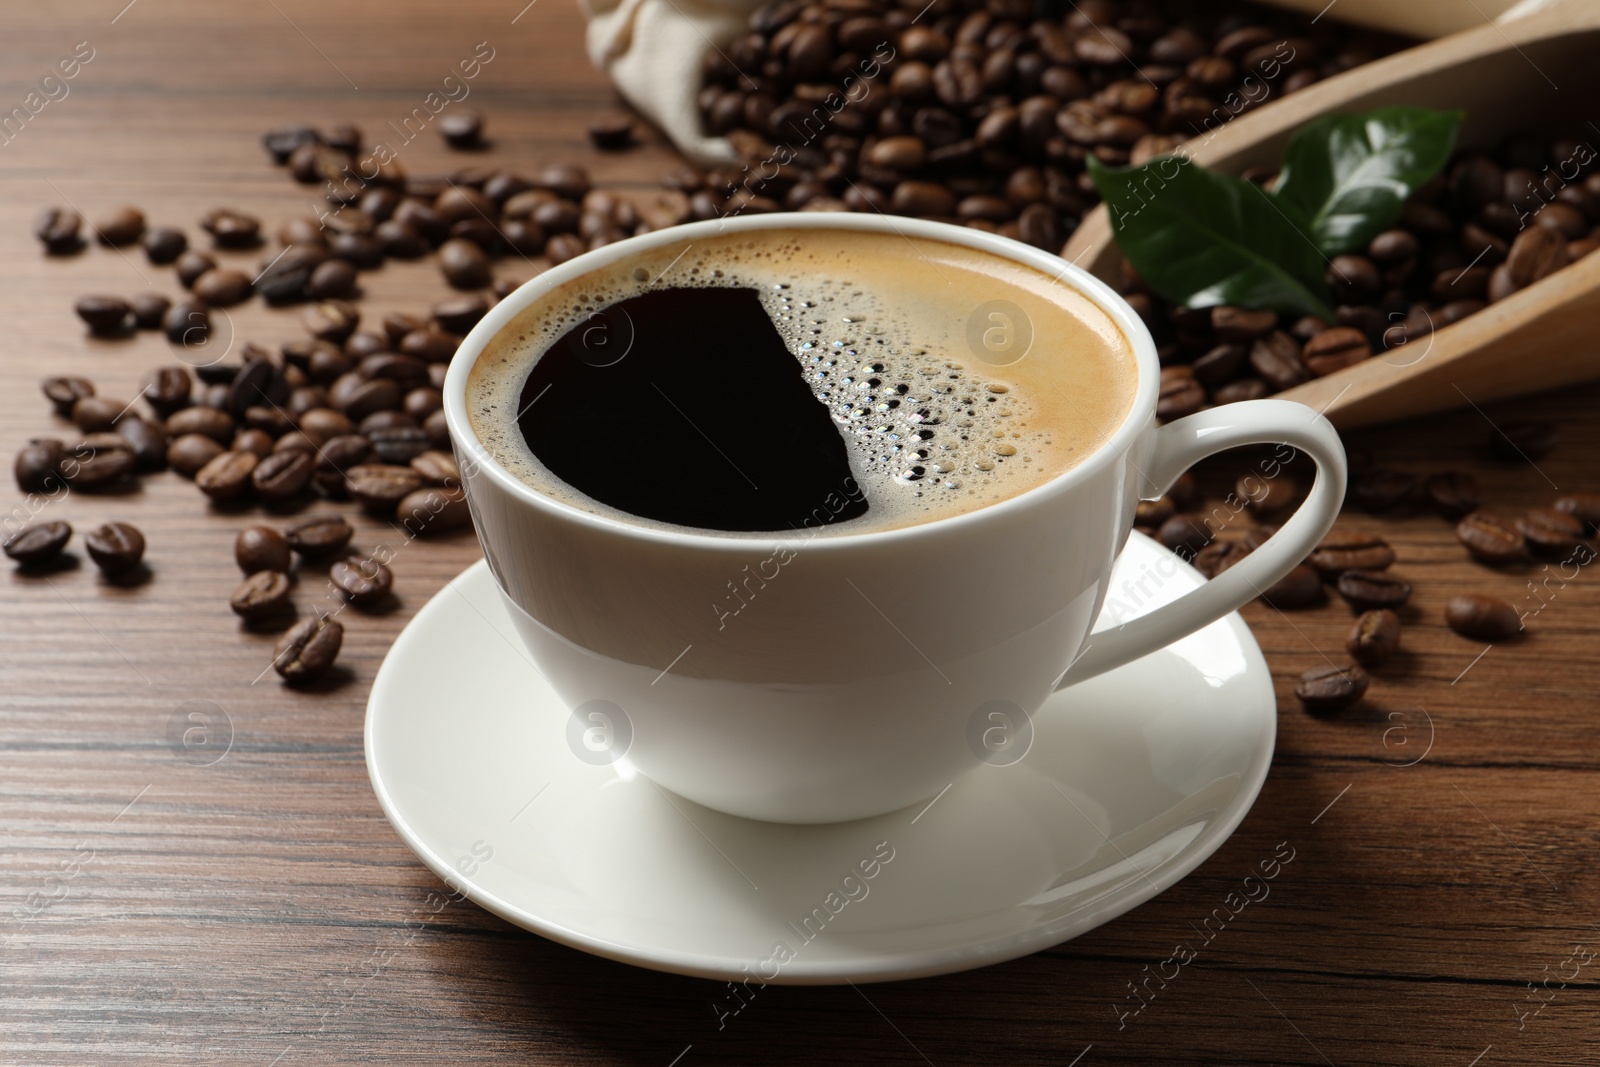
684	405
793	380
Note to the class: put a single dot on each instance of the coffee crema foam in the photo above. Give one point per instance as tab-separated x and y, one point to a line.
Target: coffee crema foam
912	344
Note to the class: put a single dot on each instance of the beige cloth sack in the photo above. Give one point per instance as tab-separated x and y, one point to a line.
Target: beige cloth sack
654	51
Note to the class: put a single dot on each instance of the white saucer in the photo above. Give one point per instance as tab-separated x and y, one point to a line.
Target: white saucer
1132	780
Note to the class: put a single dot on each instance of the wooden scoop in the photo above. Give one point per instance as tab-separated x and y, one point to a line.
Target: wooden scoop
1525	75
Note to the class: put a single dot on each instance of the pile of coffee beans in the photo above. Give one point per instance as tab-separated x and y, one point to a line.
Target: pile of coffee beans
983	112
1492	224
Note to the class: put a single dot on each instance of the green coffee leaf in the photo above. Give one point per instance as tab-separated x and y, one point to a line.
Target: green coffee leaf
1349	175
1200	238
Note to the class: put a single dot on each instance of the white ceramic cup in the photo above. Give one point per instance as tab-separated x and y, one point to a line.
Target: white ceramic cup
862	667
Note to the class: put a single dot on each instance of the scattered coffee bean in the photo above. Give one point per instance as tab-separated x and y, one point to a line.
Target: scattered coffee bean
104	315
164	244
1523	441
1218	556
209	421
464	264
1483	618
1340	552
38	465
1267	496
1374	638
1325	690
227	476
223	287
149	310
611	134
1550	532
1367	590
363	582
437	468
1300	588
97	414
98	467
1382	488
191	264
434	510
1151	514
1335	349
319	537
65	392
283	475
308	649
38	543
261	548
57	229
188	323
1491	538
148	442
1453	494
459	314
116	547
262	594
124	226
380	487
1185	535
462	128
232	229
1585	507
334	279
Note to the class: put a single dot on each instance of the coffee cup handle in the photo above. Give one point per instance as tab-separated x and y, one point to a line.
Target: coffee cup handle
1177	447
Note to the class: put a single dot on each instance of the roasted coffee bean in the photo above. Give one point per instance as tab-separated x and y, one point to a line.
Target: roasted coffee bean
331	320
429	345
461	128
1276	358
164	245
212	422
124	226
381	487
252	440
320	425
385	420
223	287
437	468
263	593
227	476
232	229
1326	690
190	452
463	264
437	427
115	547
459	314
363	396
1482	618
167	389
147	440
1266	496
188	323
1453	494
1537	252
611	134
97	414
105	315
257	384
1526	442
1366	590
1235	324
400	444
191	265
1393	246
37	543
319	537
421	402
98	466
1218	556
433	510
362	251
284	278
1550	532
38	465
363	582
405	371
1300	588
1185	534
65	392
1382	488
1491	538
1180	394
1374	638
1153	513
364	343
261	548
57	229
282	475
281	142
1340	552
1585	507
149	310
308	649
1335	349
338	455
332	280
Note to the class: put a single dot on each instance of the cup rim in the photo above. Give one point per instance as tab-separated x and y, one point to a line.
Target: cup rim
1116	444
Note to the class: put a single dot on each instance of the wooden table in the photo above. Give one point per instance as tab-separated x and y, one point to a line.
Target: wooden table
261	911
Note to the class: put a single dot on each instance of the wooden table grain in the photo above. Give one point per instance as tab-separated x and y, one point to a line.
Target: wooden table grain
261	911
